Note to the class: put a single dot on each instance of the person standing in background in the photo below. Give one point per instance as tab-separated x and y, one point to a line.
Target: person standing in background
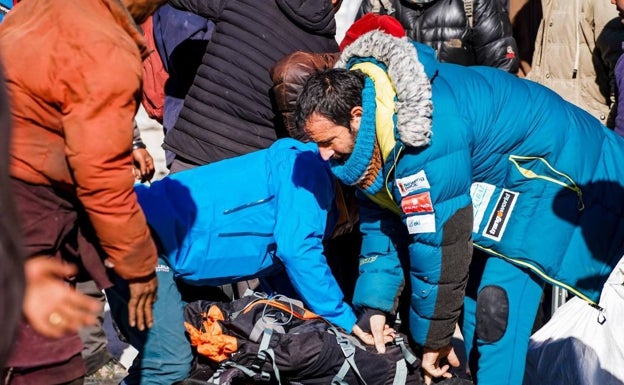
466	32
577	46
41	290
228	110
525	16
100	363
619	77
74	91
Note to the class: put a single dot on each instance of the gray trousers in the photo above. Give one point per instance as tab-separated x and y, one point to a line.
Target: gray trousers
95	351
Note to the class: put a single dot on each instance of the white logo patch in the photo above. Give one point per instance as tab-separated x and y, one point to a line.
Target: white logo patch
418	224
412	183
481	194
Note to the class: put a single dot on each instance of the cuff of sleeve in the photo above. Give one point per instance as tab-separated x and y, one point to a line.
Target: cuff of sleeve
365	315
431	334
138	144
346	321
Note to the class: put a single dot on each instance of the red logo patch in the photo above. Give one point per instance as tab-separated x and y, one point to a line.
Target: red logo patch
419	203
510	53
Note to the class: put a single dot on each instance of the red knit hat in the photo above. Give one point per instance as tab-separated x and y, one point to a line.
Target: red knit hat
371	22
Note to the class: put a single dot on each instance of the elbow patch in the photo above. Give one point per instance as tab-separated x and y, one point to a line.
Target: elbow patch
492	313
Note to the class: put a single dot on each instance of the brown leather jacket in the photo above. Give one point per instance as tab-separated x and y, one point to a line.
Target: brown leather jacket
73	70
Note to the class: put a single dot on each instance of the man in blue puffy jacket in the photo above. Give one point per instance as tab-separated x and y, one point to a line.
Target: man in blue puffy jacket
446	157
251	216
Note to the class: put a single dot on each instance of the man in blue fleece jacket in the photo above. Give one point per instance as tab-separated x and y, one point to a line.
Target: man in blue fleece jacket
251	216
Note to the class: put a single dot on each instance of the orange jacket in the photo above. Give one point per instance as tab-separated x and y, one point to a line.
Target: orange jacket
73	70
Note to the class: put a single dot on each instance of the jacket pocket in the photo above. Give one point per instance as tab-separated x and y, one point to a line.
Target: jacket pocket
534	167
254	219
421	288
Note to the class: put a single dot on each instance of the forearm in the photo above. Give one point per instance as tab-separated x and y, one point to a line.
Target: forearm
381	276
322	293
438	288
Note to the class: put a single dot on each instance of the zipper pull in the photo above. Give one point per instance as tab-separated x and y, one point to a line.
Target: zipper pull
602	318
581	205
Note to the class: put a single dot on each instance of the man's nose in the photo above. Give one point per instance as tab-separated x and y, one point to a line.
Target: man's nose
326	153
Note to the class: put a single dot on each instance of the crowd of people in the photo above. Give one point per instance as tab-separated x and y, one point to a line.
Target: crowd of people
416	169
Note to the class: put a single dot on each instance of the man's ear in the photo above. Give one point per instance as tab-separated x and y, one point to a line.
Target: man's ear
356	116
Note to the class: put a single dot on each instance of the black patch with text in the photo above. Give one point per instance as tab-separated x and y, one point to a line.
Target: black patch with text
502	212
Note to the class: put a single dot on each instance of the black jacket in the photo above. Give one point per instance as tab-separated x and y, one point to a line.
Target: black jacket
443	25
228	110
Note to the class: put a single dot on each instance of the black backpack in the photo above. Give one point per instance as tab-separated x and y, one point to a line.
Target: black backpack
262	340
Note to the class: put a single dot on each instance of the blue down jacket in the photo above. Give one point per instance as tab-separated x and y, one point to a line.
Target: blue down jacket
480	155
251	216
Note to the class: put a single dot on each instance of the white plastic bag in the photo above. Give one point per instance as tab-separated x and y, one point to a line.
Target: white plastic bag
581	345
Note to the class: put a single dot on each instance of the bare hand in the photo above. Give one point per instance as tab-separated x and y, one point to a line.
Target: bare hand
431	363
51	306
142	297
380	335
143	165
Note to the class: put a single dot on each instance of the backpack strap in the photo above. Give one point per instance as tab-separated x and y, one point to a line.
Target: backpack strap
400	374
409	356
263	351
348	350
260	328
339	377
225	366
468	11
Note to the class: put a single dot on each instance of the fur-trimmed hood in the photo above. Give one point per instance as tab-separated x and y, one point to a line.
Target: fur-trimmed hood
413	87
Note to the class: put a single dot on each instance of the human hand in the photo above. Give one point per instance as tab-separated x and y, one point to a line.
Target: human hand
142	297
431	363
143	165
380	334
51	306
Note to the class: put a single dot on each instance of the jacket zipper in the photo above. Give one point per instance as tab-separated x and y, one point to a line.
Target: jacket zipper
393	169
242	207
544	276
532	175
250	204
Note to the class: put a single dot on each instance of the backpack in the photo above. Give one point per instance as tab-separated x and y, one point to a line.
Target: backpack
274	340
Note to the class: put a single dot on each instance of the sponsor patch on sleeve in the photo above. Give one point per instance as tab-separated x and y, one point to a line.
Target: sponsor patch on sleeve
500	217
481	194
419	203
413	183
418	224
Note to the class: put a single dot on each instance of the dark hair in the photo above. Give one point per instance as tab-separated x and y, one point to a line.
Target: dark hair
332	93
